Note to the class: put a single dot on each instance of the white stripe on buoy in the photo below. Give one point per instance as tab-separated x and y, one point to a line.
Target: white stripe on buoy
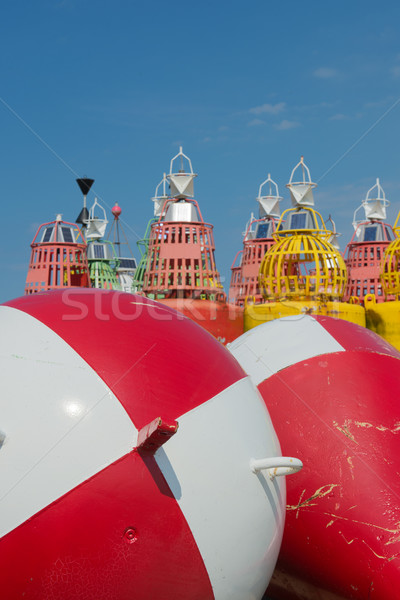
206	465
268	348
62	424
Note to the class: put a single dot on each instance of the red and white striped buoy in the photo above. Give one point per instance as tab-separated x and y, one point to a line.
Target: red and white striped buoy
332	389
102	494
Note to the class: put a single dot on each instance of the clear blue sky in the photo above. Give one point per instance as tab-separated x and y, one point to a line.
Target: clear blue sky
111	89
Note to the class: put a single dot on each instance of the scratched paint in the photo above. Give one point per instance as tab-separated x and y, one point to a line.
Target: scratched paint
350	462
349	542
395	533
310	501
395	429
350	423
345	430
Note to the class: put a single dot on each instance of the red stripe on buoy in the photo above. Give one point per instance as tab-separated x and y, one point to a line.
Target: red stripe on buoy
340	414
120	534
155	360
355	337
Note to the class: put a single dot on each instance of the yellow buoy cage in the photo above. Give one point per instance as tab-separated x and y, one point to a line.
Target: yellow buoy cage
390	270
302	264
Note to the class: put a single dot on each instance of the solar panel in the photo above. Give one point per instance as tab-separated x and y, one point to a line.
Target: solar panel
67	234
47	234
370	234
298	221
127	263
262	230
98	250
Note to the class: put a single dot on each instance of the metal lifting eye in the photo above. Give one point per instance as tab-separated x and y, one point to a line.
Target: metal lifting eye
276	466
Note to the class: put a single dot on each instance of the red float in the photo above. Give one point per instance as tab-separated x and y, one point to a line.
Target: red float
128	439
332	390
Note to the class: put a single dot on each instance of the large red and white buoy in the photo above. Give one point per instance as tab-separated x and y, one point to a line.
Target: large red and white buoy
103	495
332	389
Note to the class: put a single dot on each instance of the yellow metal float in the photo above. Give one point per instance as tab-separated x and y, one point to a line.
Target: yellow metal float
302	272
384	317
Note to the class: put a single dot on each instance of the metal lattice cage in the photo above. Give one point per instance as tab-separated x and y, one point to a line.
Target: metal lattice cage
390	270
302	266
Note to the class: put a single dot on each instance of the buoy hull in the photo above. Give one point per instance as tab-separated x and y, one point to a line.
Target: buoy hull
336	388
94	504
255	314
384	318
224	321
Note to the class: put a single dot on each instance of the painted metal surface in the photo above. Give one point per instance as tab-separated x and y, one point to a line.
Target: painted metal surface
181	258
58	258
390	271
181	180
341	416
302	270
126	265
256	314
263	352
214	487
224	321
277	466
143	246
383	318
383	311
302	264
187	378
374	205
244	278
364	263
257	240
119	535
54	408
188	521
180	269
301	189
364	255
302	273
101	254
155	434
